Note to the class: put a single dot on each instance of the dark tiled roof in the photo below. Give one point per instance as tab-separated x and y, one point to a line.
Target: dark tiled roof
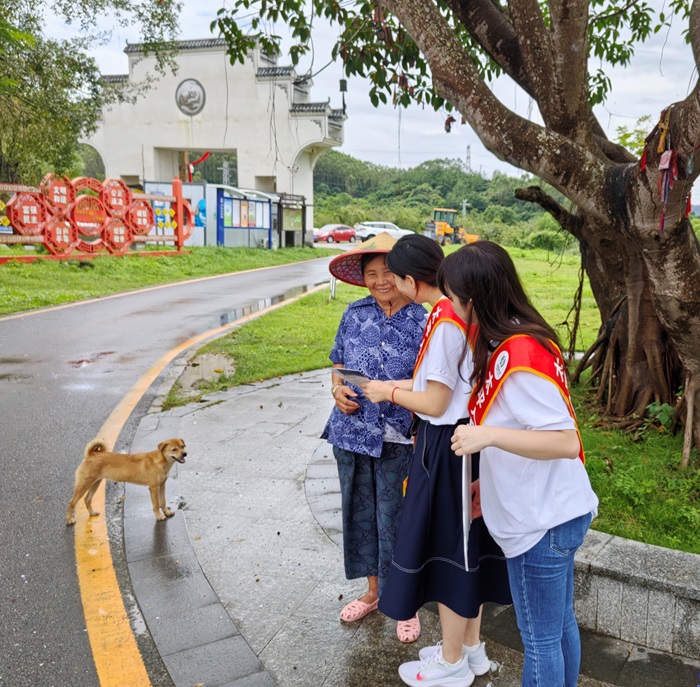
337	114
196	44
310	107
274	71
114	78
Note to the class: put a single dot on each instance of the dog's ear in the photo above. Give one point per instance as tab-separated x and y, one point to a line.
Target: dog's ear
163	445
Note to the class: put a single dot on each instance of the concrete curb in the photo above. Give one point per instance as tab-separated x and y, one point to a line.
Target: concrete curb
639	593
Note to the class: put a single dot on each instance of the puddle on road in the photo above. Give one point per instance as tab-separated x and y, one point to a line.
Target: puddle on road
87	361
205	368
16	377
238	313
13	361
209	367
80	387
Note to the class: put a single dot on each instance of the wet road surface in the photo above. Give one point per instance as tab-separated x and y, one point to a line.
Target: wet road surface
62	372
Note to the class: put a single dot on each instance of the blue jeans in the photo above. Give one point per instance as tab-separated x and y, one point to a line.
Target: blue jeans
542	585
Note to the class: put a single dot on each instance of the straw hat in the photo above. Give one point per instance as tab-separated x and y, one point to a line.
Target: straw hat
348	266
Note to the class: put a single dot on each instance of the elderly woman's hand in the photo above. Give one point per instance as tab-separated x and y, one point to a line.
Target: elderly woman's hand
343	396
377	391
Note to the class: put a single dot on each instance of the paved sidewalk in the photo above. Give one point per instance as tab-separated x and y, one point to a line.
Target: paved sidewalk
257	542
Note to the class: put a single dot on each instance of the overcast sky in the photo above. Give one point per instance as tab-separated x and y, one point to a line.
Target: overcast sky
661	72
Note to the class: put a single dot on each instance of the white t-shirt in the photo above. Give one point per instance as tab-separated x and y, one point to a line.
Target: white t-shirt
522	498
441	364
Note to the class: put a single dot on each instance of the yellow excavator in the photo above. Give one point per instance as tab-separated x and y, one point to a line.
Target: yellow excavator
445	230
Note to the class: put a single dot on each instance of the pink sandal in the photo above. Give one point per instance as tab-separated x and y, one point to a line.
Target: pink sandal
408	630
356	610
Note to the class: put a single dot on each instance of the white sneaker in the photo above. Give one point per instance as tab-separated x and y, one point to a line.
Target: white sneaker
434	670
479	662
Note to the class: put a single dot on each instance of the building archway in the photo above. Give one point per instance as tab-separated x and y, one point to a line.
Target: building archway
260	109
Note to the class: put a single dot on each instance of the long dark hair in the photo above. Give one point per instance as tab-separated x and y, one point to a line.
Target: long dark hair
483	273
418	256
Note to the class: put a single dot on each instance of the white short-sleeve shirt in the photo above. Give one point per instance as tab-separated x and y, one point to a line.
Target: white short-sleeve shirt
522	498
441	363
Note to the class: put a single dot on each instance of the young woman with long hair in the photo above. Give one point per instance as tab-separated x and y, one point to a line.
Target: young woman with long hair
536	497
433	559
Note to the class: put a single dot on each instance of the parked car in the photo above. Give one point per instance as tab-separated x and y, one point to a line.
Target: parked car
335	233
366	230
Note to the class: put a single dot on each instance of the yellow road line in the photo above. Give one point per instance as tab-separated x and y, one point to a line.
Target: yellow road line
117	658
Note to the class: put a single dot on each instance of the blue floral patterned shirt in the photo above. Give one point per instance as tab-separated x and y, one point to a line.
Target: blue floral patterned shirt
382	348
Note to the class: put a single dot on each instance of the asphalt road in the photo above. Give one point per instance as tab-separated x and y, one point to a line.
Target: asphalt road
62	372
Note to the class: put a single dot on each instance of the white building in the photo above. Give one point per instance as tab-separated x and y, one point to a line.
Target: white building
262	111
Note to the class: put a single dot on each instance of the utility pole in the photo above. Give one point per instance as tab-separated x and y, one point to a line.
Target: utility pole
224	173
468	159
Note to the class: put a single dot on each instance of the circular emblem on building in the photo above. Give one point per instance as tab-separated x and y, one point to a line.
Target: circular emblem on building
190	97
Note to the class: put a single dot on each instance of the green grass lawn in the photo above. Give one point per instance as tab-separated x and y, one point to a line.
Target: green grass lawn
276	345
25	286
644	494
551	284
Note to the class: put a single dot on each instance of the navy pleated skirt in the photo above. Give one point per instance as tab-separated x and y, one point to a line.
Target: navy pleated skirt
428	562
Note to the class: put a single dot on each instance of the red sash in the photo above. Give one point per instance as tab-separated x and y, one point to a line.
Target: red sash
521	352
442	312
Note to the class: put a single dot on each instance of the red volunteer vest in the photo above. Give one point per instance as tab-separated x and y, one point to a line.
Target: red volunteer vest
442	312
521	352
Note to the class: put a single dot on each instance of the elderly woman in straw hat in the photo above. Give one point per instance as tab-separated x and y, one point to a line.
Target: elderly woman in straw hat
379	335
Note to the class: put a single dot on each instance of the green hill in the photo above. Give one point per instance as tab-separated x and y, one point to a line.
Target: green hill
348	190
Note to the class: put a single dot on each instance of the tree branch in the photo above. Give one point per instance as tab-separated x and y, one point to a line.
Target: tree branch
559	161
492	30
569	89
567	220
613	151
694	31
611	15
535	51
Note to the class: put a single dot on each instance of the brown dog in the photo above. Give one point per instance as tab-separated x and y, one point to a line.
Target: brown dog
150	469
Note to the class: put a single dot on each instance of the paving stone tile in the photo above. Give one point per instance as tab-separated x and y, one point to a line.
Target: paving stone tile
192	628
328	599
257	680
647	668
257	625
305	650
278	594
146	537
213	665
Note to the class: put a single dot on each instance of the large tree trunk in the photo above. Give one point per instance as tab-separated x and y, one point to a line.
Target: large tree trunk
645	280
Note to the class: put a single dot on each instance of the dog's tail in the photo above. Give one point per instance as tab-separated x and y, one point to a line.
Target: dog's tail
96	446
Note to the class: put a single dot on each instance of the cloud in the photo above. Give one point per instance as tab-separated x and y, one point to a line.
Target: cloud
661	72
